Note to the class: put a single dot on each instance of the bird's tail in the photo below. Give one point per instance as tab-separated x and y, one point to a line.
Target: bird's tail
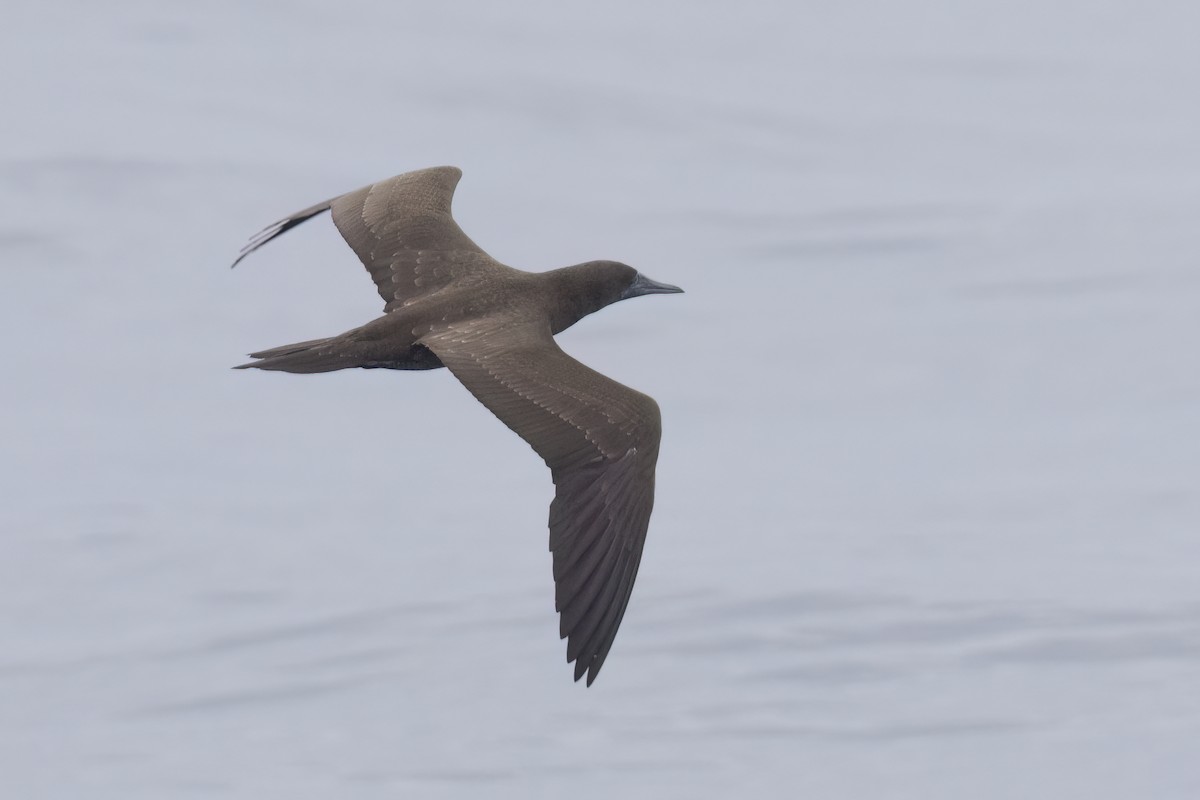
316	355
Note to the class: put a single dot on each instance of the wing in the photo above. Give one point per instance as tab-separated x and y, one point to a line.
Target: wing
402	231
600	440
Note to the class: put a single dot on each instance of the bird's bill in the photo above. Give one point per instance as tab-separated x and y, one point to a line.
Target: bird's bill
642	285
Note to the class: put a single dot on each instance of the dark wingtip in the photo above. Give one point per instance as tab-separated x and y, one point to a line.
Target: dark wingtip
280	227
586	666
259	239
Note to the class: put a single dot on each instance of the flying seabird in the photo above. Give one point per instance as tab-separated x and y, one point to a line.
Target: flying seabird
448	303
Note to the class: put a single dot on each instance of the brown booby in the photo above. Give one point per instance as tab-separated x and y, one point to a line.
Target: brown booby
448	303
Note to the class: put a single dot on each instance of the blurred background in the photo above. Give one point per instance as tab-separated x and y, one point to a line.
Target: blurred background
928	500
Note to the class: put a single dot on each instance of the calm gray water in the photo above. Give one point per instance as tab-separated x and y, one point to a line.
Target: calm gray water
929	498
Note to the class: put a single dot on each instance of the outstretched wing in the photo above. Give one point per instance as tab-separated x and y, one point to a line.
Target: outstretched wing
402	230
600	440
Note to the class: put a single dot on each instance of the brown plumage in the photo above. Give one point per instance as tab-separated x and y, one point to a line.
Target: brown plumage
448	303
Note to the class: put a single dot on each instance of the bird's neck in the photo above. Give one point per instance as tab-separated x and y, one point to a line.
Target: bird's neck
574	293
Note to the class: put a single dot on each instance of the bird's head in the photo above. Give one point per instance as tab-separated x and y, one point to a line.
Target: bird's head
586	288
613	281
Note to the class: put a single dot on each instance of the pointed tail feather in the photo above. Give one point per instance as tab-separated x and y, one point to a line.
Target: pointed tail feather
315	355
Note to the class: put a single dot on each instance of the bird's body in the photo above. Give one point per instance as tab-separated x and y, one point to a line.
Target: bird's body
450	304
555	300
